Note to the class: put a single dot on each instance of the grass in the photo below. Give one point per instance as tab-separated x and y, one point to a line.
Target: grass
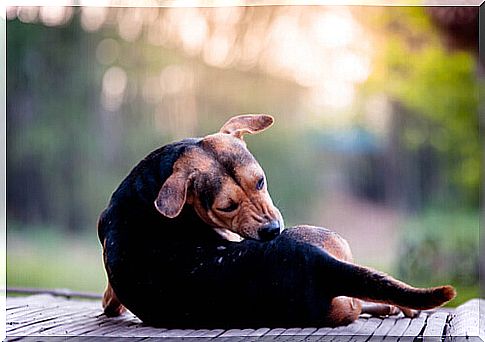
48	259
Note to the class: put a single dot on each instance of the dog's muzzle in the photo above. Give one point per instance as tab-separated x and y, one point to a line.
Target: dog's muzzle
270	231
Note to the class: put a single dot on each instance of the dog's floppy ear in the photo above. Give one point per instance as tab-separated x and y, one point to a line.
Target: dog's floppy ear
246	124
171	197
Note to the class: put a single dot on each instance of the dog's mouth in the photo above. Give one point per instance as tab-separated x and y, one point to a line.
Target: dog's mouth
265	233
228	235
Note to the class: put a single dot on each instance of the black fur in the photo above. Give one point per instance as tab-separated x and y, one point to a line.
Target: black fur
180	273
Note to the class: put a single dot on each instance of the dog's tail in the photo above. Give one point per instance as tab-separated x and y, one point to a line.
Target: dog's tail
371	285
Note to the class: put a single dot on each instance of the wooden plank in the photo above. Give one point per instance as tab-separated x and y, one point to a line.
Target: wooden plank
140	330
73	311
271	335
348	330
93	324
36	313
15	308
290	332
37	339
20	317
435	326
414	328
307	331
48	316
44	327
345	338
236	335
93	327
469	319
352	331
318	338
32	326
45	309
398	329
259	332
382	330
275	332
174	333
197	333
200	335
304	334
367	329
112	328
125	331
78	322
295	334
44	313
255	335
323	331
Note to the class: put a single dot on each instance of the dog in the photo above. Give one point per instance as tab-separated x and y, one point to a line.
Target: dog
192	239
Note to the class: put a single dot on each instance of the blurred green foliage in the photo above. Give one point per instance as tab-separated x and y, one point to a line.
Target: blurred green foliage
291	171
439	88
441	247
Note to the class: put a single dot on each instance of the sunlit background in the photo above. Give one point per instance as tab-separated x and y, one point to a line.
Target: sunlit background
376	132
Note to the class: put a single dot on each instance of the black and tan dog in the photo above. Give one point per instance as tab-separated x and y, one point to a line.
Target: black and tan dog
191	238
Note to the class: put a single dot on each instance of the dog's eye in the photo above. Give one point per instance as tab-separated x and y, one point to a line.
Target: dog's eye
260	183
231	207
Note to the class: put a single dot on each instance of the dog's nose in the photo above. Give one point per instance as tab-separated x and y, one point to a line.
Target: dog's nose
269	231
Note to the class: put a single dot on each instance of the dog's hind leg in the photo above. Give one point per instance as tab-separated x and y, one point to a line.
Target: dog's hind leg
344	308
111	305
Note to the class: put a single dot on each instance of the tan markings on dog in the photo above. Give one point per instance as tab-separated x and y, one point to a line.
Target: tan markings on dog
330	241
338	247
343	311
246	124
223	182
252	208
111	304
225	143
173	194
239	186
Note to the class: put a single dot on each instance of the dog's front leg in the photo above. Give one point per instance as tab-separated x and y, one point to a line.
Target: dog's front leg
111	305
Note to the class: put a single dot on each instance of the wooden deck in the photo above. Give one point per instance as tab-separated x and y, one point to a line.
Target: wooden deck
48	318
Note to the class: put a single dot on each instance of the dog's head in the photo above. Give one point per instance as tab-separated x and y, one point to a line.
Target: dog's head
224	183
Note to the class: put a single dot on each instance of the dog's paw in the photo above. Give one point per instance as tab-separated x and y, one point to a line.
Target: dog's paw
410	313
111	305
393	310
114	310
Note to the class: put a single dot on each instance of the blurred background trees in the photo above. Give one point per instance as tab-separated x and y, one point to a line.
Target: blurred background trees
376	132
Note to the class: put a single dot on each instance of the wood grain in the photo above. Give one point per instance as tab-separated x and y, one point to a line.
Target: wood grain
55	317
